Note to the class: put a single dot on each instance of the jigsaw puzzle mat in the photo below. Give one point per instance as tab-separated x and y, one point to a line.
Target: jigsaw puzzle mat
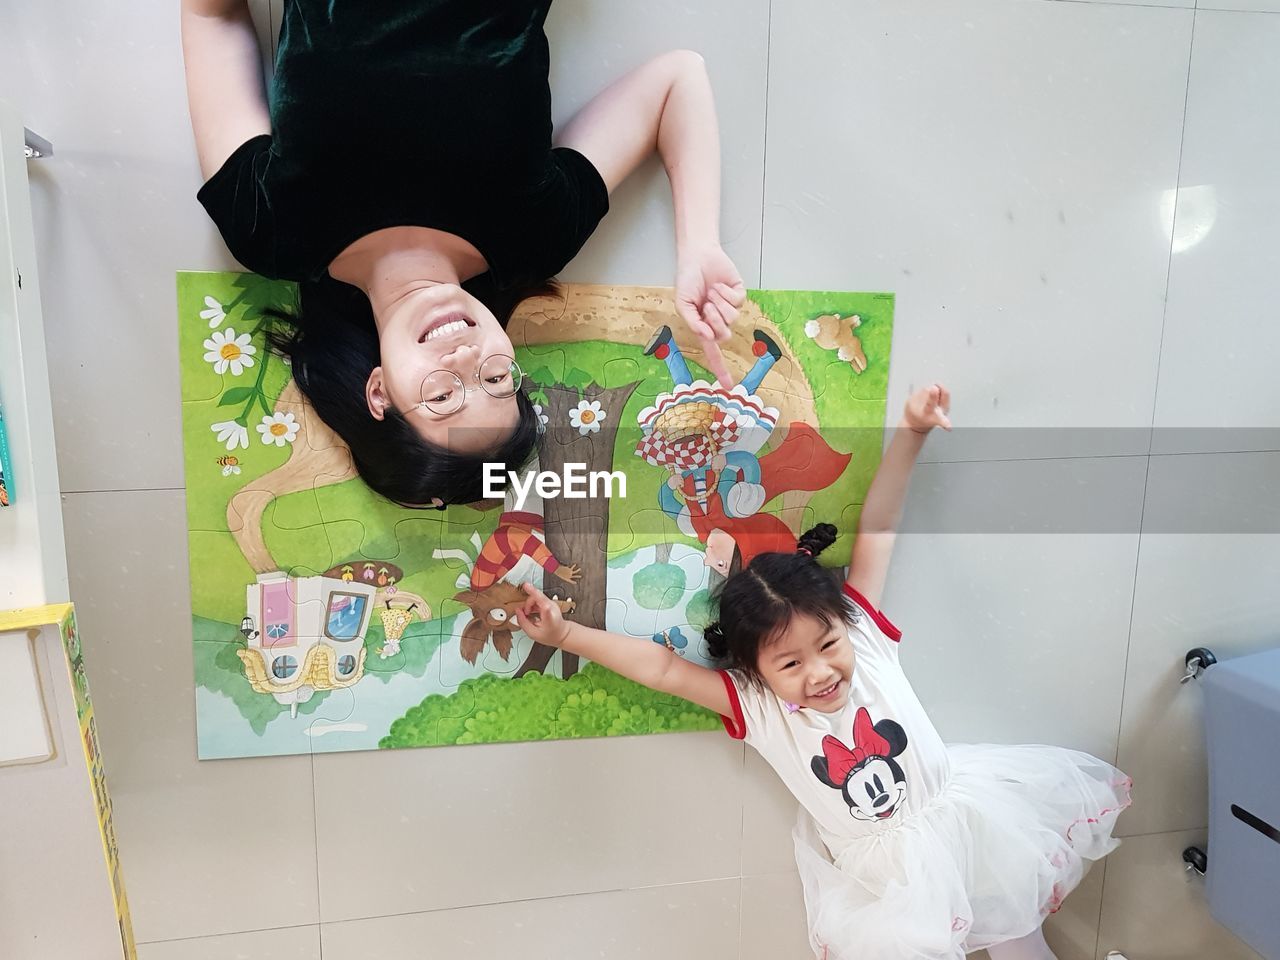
271	496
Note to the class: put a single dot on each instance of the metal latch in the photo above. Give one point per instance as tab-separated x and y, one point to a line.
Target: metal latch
36	145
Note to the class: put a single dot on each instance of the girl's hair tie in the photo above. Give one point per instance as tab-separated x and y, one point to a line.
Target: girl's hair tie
805	550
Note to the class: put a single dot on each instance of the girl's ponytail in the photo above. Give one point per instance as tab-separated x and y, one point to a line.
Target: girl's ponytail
717	644
816	539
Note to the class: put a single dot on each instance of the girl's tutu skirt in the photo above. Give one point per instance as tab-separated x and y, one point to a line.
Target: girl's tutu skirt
986	860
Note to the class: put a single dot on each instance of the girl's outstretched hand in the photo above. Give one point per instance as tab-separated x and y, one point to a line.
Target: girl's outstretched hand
928	408
709	293
541	619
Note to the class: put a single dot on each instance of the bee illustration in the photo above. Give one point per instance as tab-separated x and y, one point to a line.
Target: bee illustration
229	464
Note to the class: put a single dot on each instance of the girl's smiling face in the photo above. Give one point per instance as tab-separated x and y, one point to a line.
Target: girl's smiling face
809	664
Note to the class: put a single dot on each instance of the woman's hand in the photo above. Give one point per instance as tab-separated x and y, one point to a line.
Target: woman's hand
927	408
541	619
709	293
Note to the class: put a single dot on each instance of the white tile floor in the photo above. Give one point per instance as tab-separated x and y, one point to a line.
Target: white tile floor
1073	202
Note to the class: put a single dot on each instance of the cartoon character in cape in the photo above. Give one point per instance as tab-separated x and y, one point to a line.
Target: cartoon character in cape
709	438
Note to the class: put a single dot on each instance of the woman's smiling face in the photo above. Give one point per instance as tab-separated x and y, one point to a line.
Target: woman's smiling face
429	335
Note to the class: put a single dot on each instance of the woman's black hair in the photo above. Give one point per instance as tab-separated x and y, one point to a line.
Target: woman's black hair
757	604
332	344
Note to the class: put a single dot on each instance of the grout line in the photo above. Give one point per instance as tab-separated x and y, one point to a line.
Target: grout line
1102	902
764	159
742	816
466	906
1173	233
443	909
229	933
1137	560
545	899
315	834
741	914
1160	833
1122	3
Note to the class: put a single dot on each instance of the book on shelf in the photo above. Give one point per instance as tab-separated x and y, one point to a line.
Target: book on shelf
6	474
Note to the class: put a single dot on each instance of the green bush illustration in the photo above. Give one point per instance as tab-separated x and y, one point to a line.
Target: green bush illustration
701	610
593	703
659	586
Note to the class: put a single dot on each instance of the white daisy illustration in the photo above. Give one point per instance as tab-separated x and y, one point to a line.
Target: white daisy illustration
542	417
214	312
586	416
279	428
232	434
226	350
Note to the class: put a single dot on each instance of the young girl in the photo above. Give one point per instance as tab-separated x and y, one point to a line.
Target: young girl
907	848
404	175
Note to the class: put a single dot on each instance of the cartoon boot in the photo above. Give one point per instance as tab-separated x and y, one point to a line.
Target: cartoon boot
663	346
767	354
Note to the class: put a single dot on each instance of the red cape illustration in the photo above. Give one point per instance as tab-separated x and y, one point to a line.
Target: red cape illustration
802	461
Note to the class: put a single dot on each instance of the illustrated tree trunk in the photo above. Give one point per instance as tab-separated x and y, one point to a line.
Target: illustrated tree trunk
577	530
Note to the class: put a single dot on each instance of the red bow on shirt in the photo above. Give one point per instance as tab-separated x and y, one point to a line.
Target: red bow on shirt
866	743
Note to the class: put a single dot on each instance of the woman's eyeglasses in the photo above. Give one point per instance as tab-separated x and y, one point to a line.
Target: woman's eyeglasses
444	393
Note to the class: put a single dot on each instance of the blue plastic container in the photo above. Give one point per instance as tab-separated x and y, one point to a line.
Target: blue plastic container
1242	723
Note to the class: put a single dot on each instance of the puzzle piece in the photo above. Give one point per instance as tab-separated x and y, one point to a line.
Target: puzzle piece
465	635
402	637
313	431
542	360
452	722
205	389
844	341
333	715
648	374
622	370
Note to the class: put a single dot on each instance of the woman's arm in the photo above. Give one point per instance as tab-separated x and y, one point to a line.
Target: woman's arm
878	524
667	105
225	89
643	661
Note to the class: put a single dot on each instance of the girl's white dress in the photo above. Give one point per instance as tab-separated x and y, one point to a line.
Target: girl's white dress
910	849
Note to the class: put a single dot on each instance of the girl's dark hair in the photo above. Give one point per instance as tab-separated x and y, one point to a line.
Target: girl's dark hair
757	604
332	343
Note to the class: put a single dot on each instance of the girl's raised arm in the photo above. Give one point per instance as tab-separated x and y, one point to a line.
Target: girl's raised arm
877	526
225	89
643	661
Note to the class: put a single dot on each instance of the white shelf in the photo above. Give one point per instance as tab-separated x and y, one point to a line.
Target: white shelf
33	562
